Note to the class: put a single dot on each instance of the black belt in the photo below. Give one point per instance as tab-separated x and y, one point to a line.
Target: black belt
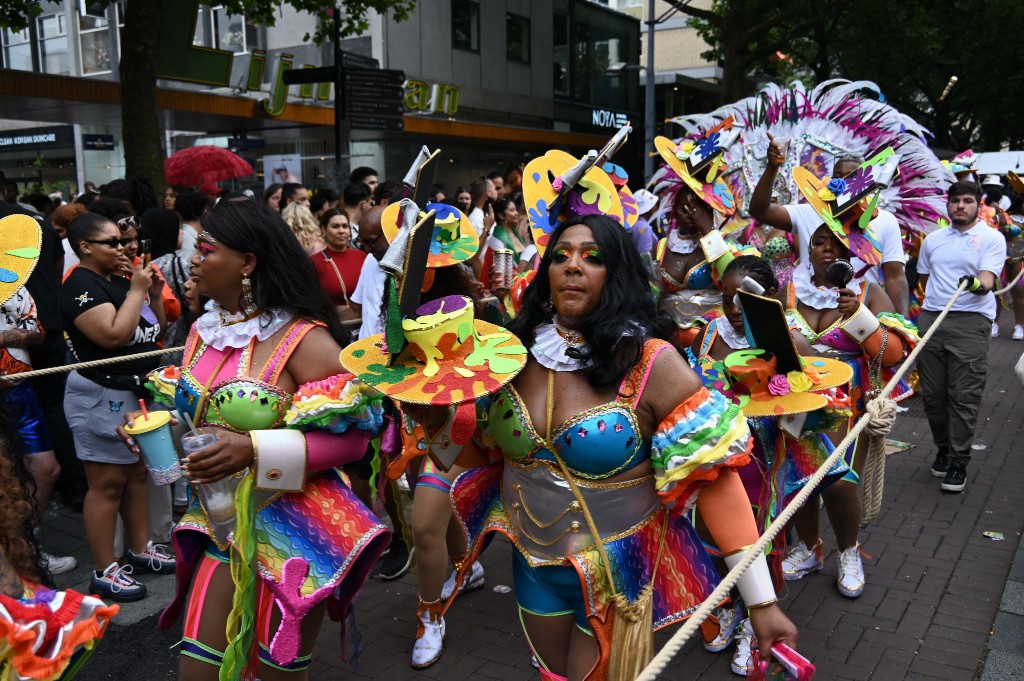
131	382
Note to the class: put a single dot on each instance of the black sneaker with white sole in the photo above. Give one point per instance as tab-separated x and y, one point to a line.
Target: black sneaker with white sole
940	465
956	478
396	561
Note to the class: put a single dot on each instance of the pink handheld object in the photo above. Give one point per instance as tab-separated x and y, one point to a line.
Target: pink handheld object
786	665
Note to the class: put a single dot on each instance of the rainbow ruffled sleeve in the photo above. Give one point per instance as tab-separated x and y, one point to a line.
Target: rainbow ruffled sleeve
336	404
897	323
161	383
693	442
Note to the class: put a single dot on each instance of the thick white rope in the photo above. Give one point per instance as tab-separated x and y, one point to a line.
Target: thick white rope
679	639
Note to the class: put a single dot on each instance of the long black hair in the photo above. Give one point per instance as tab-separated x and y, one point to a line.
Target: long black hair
628	313
284	277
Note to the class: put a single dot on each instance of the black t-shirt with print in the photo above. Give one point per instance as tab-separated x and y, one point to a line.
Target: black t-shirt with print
84	290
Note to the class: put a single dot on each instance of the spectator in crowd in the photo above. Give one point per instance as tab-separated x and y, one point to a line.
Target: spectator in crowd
171	194
42	203
514	180
137	191
498	180
438	194
337	265
304	226
463	200
369	292
324	199
386	192
44	287
11	192
272	196
356	201
481	194
365	175
293	192
107	315
163	229
86	199
190	206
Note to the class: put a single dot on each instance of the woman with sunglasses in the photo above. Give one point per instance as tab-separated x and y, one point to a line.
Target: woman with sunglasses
106	315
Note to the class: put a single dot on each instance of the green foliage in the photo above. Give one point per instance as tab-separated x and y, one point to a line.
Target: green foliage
353	16
16	14
910	49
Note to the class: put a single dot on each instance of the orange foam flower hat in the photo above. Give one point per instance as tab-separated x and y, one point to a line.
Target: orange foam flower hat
700	164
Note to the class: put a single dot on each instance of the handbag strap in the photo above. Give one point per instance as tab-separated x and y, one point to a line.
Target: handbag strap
337	273
570	478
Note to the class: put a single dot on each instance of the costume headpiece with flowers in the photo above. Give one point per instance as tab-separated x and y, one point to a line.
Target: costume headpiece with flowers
699	163
20	241
558	186
771	378
835	198
964	166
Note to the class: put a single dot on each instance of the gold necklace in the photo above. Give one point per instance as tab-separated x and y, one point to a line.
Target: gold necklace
245	318
572	338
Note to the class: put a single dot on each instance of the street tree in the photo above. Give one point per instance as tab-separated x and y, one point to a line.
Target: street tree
143	139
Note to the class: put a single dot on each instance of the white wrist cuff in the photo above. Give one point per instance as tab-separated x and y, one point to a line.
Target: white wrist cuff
860	326
755	585
279	459
714	246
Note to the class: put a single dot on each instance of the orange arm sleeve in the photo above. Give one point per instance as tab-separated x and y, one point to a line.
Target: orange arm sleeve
725	509
894	347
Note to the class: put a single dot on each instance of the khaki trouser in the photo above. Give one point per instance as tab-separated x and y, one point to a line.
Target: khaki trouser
953	367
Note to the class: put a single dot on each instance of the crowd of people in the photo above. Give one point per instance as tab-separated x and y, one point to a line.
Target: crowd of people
675	365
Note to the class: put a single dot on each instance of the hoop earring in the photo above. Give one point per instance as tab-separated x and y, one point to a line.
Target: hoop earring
248	306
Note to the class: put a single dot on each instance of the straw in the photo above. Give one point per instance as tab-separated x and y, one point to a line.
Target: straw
145	412
191	426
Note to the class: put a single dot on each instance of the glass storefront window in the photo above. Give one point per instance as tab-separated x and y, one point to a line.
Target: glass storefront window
17	51
466	25
592	48
53	44
518	41
230	31
96	52
561	50
94	16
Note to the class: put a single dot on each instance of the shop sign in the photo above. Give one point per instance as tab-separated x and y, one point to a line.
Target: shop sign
35	138
603	118
437	98
98	142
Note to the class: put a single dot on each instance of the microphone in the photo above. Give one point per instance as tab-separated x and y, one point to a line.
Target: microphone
839	272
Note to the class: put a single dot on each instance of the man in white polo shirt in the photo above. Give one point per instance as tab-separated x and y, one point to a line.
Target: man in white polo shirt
954	363
802	220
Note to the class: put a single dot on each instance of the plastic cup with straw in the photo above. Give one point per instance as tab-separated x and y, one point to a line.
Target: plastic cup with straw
152	432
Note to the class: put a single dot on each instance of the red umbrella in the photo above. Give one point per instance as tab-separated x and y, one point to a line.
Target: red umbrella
198	165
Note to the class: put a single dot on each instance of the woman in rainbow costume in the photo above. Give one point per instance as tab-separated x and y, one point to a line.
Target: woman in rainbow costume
261	370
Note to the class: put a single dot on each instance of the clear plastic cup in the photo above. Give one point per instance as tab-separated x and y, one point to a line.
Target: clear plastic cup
152	432
216	498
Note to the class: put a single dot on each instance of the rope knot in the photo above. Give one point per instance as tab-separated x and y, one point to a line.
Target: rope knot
881	416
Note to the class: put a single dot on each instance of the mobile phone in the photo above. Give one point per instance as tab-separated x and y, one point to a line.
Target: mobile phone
146	250
786	665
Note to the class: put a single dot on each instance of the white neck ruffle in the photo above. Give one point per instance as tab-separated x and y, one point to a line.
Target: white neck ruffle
809	293
216	329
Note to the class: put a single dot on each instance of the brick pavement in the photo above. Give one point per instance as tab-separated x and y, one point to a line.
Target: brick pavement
933	592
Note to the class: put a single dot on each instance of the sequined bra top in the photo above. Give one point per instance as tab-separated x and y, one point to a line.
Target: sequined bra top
698	277
243	401
598	443
831	338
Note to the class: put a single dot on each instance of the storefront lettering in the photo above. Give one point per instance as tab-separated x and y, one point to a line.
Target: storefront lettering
439	97
608	119
19	140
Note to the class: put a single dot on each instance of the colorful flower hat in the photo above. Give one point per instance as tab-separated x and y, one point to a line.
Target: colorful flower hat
558	186
833	199
20	241
450	357
454	238
963	165
771	378
700	164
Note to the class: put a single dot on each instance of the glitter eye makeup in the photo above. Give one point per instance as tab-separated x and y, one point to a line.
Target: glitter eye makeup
594	255
561	254
205	248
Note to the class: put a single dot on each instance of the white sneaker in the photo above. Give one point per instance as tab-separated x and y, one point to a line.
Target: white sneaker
117	584
58	565
1018	332
741	663
429	637
995	329
728	620
801	561
474	581
851	572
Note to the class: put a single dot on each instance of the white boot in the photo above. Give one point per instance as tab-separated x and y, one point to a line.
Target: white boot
429	635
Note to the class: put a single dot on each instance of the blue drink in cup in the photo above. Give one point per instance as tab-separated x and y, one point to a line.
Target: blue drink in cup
152	432
217	498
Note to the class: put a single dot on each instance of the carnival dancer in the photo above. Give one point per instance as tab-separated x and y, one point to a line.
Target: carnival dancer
782	458
698	203
45	632
861	328
835	119
436	537
263	357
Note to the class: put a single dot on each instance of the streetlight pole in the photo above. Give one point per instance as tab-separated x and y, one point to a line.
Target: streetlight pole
649	96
